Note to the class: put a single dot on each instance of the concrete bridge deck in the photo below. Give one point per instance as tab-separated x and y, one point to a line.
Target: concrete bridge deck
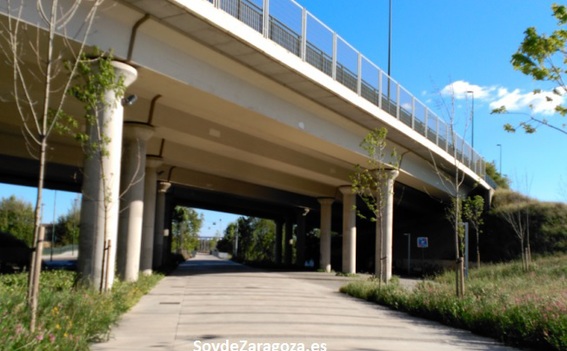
207	301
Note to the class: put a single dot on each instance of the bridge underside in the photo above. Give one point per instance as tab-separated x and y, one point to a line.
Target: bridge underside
415	211
236	127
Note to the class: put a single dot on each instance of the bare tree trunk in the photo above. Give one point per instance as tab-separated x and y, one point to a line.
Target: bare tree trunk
528	248
35	267
459	266
457	263
34	281
462	276
33	286
105	266
523	255
457	279
477	250
378	259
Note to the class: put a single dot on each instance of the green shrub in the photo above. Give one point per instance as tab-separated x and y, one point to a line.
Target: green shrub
502	301
547	227
68	318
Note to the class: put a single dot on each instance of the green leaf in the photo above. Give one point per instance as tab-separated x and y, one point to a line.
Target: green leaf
509	128
501	109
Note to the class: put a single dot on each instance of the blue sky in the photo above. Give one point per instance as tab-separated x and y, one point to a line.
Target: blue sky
436	44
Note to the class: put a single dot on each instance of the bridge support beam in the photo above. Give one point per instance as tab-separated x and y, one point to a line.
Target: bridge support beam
148	229
159	241
101	186
384	229
349	229
325	227
132	203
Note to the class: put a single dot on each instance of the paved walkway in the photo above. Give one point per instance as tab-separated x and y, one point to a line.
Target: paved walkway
210	304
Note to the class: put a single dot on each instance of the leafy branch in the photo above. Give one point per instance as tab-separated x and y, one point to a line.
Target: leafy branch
543	58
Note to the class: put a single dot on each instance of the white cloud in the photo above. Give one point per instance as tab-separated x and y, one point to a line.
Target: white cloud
460	89
514	101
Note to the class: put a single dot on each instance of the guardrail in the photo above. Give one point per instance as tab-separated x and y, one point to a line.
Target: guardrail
291	26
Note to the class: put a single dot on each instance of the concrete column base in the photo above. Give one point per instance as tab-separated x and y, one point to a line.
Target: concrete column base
349	230
132	204
325	241
163	187
148	229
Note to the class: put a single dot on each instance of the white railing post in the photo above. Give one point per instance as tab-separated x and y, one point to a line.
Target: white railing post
359	74
397	100
447	146
425	121
266	19
216	3
437	131
413	112
380	88
334	68
303	33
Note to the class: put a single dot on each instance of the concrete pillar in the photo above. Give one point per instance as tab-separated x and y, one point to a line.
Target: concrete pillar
167	226
278	244
163	187
148	228
101	186
132	202
349	229
325	240
387	219
300	236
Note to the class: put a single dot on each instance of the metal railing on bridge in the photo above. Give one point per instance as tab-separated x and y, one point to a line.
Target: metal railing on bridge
291	26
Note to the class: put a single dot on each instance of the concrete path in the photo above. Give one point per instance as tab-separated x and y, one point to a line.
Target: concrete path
210	304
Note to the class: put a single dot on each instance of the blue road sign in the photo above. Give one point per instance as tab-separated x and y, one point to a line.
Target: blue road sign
422	242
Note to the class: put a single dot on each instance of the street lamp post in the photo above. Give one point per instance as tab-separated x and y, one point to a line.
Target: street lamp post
389	37
53	224
500	146
472	118
389	47
409	252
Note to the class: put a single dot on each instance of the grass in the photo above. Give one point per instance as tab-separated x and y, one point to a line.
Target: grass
69	318
502	301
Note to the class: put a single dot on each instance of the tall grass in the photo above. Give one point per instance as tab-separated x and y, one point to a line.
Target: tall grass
502	301
69	318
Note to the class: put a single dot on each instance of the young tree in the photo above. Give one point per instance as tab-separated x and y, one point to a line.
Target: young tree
37	62
473	209
516	214
371	183
453	181
543	58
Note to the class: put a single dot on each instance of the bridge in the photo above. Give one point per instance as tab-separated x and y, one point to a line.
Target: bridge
245	106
